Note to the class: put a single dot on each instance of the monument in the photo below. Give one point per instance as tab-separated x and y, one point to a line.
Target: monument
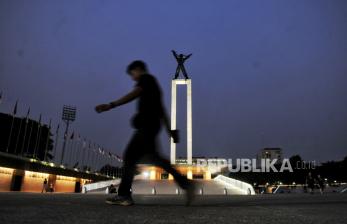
186	167
180	58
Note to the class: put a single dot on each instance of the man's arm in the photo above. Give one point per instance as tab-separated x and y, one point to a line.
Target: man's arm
188	56
136	92
174	53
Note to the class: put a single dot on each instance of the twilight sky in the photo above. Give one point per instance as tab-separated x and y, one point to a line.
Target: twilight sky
268	73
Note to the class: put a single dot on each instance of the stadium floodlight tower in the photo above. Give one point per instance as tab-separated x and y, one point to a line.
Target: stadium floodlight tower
68	116
180	58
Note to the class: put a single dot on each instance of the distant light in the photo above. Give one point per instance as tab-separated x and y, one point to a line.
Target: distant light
294	183
145	174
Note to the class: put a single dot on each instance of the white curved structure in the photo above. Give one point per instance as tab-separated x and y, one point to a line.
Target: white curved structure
243	187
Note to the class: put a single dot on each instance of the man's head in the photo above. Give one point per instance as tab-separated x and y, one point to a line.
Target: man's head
136	68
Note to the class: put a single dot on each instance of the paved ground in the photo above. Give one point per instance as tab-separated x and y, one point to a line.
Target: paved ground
90	208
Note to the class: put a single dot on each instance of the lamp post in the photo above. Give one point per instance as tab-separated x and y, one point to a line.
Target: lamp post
69	115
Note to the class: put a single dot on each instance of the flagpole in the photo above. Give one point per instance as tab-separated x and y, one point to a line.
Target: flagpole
74	157
56	143
72	148
64	144
77	150
25	131
9	138
70	152
47	140
83	152
19	131
37	142
30	133
87	160
94	159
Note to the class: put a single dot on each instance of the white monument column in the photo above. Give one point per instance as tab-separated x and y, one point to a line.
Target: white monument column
174	84
189	122
173	121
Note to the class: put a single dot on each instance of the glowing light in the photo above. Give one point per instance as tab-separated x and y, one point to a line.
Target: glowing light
190	174
35	174
145	174
152	175
207	175
6	170
59	177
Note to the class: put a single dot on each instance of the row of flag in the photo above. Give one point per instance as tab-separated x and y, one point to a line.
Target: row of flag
94	147
91	146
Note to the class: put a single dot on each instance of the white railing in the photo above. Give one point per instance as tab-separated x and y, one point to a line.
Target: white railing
103	184
99	185
243	187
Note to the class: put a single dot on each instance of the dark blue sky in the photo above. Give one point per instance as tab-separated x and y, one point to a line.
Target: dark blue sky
265	73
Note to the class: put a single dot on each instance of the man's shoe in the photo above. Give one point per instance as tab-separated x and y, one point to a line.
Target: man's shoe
190	192
120	200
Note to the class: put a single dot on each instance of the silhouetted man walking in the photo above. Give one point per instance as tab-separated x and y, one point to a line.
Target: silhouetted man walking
147	122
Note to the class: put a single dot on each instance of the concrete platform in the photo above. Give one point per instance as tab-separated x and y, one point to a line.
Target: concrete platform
209	187
90	208
169	187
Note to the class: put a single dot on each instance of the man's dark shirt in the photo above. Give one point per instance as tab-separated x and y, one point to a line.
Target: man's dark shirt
149	108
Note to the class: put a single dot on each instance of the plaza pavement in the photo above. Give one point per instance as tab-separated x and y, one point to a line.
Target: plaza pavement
16	207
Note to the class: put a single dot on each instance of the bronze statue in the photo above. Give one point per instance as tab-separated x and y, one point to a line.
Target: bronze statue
181	58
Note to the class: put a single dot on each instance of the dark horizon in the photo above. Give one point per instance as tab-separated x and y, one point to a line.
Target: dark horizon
264	74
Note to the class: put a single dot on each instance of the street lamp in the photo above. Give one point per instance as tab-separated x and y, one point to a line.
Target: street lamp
69	115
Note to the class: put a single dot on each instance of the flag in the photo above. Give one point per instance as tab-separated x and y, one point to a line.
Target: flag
28	112
15	108
76	165
50	123
40	119
72	135
84	143
57	129
119	159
